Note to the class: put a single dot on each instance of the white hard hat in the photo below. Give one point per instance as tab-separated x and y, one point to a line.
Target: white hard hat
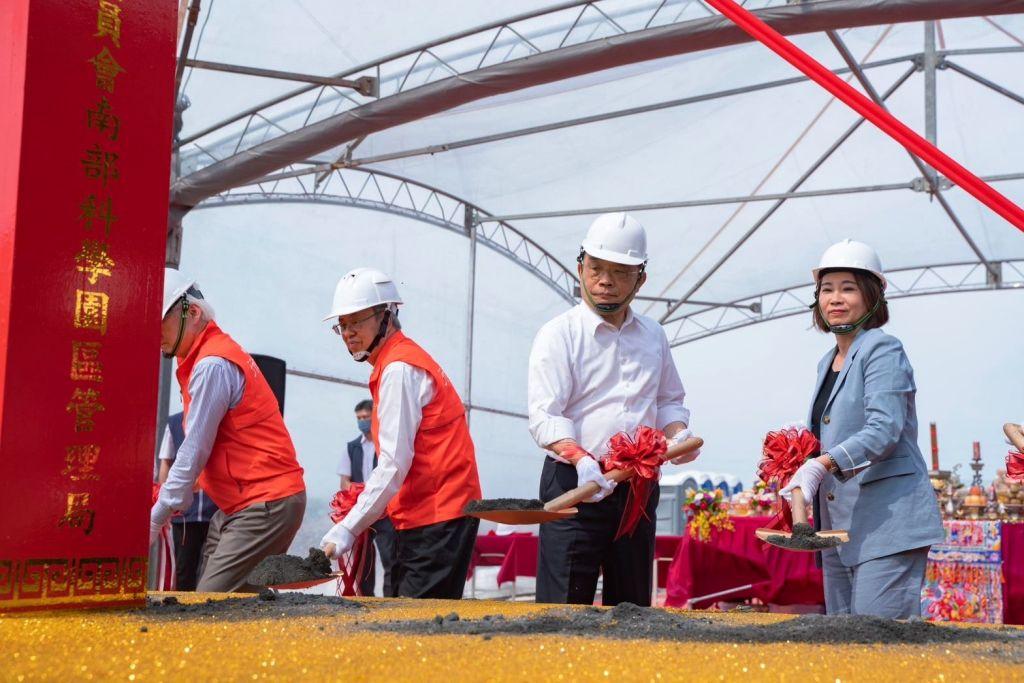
617	237
360	289
176	284
851	255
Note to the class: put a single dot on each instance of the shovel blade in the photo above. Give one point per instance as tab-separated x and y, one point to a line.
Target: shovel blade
766	534
309	583
523	516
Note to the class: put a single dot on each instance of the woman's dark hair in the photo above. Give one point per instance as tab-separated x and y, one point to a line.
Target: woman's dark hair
870	288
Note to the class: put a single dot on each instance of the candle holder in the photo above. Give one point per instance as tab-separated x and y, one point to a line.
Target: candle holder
976	501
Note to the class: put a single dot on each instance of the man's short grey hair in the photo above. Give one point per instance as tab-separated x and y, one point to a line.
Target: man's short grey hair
195	298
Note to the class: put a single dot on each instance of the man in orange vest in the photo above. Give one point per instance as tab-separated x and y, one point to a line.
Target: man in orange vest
426	464
236	445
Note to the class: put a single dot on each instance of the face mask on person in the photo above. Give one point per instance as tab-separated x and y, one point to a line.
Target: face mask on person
364	426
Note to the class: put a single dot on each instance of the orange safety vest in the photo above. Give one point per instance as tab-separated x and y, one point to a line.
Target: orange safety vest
443	477
253	459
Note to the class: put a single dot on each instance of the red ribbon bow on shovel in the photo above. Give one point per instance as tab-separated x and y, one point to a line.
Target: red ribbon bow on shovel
353	565
640	454
783	453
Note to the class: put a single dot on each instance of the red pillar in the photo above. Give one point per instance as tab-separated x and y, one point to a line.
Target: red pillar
84	165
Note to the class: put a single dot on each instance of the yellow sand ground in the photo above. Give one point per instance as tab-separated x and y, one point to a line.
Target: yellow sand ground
112	646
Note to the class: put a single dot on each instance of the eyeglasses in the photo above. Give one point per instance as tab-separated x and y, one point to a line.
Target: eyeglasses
340	327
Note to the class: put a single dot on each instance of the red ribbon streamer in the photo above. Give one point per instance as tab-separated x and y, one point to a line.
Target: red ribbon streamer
864	106
344	501
783	453
355	564
1015	466
640	455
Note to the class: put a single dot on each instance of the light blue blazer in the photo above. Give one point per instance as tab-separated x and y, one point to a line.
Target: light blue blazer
882	496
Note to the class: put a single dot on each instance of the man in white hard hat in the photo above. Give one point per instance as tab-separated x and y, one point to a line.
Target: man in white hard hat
426	465
596	370
236	444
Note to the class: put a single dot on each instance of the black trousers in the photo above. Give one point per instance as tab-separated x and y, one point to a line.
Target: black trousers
386	540
189	539
433	560
575	551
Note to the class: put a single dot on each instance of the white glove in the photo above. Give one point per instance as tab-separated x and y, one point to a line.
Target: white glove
686	457
338	541
808	479
154	532
588	470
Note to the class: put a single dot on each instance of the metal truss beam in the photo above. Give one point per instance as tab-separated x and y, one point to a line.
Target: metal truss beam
949	278
378	191
329	118
367	85
811	170
930	126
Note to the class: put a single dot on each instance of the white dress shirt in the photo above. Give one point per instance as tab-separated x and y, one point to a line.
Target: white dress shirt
404	392
215	386
588	380
345	463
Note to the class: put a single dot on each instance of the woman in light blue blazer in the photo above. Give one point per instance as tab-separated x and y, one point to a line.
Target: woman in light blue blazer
870	478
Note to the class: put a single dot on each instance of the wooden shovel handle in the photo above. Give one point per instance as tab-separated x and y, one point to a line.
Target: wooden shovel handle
581	493
796	502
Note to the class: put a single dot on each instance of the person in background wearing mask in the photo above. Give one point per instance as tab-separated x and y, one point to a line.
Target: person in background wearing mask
355	468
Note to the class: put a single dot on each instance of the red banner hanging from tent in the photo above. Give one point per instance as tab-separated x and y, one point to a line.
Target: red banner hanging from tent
861	104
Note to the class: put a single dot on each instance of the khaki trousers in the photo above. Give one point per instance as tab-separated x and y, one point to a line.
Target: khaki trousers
236	543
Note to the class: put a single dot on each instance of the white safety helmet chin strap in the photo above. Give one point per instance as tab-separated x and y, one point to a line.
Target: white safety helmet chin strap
382	330
185	305
612	308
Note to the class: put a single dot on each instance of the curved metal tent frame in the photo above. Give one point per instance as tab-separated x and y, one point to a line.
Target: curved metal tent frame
400	196
324	128
289	131
948	278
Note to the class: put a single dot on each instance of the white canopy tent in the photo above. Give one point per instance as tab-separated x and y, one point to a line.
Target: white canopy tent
514	131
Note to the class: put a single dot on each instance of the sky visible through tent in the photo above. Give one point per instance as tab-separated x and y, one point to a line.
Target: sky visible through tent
270	269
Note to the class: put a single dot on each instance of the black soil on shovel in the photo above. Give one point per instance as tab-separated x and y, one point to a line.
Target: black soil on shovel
804	538
495	504
279	569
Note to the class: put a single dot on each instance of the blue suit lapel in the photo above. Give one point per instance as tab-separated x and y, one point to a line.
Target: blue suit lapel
823	366
847	363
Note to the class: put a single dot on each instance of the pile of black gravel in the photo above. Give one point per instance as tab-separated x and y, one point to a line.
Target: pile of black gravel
629	621
265	604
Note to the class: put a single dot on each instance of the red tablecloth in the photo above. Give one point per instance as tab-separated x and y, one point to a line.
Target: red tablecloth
1013	573
515	554
665	548
736	558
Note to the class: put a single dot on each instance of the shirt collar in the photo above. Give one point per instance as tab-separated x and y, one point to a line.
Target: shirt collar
592	322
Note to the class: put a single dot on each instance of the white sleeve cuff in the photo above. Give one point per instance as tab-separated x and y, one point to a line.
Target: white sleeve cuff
672	413
553	429
160	513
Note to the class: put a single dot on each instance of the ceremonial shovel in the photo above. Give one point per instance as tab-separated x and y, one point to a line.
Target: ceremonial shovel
563	506
309	583
802	542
